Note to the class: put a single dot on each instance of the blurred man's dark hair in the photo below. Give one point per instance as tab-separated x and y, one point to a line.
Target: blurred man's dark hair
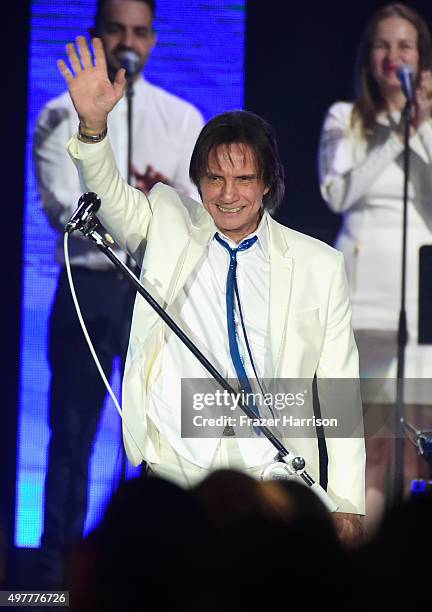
101	4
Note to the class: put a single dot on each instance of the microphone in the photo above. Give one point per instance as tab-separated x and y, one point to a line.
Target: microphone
424	444
422	440
405	73
88	204
130	61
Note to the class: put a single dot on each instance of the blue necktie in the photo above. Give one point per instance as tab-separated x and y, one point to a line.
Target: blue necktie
231	293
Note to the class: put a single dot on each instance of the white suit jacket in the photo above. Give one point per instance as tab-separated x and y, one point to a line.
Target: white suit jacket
310	317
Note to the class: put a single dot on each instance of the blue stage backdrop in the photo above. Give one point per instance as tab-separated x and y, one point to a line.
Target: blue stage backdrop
200	57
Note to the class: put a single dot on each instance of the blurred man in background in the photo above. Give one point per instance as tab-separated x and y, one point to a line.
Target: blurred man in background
163	132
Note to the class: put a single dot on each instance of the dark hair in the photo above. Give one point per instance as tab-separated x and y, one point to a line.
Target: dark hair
369	100
101	6
241	127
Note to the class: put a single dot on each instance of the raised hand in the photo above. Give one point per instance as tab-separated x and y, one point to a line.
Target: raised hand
424	97
91	91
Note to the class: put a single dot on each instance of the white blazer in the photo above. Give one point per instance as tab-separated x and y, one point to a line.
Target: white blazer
310	317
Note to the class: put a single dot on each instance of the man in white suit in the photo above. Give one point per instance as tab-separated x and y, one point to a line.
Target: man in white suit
294	315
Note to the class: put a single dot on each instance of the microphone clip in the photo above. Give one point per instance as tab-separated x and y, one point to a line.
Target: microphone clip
421	439
83	218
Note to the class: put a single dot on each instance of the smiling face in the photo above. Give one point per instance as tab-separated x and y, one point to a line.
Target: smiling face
126	25
395	43
232	190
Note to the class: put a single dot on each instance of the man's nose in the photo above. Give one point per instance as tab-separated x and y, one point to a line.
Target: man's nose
128	38
229	192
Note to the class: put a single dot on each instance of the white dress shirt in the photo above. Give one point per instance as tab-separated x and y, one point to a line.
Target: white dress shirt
200	309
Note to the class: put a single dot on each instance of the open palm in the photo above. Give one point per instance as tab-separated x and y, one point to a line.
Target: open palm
91	91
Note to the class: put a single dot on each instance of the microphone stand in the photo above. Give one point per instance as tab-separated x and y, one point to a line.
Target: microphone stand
292	465
402	335
129	98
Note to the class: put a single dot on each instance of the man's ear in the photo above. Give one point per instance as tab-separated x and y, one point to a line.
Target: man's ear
266	190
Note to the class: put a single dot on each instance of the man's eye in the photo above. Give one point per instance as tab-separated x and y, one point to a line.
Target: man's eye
143	33
112	28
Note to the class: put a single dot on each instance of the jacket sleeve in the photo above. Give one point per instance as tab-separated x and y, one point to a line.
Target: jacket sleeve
344	177
125	212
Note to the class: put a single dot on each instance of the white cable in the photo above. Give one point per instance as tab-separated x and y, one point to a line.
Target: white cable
89	342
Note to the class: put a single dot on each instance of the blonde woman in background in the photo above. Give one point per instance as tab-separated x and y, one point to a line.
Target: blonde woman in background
361	177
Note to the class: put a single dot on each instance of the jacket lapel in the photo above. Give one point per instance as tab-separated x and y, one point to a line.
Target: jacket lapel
198	240
281	268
